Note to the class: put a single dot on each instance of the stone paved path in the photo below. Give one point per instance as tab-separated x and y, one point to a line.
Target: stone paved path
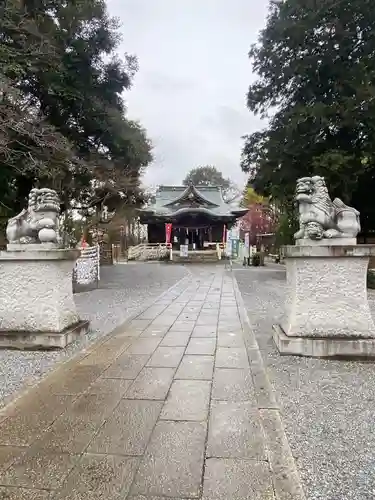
175	404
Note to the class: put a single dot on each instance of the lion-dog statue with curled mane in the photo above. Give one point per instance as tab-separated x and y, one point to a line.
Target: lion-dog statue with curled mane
38	223
319	216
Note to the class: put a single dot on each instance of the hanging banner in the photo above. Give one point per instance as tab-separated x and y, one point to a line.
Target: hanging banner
184	250
224	234
235	248
228	245
168	233
247	245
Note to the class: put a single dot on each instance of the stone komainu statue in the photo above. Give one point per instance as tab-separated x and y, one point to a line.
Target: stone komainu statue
319	216
38	223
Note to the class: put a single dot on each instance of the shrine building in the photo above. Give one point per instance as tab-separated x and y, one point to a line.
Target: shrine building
199	216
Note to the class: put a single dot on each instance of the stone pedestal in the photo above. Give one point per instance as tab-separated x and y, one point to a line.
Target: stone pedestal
326	311
37	310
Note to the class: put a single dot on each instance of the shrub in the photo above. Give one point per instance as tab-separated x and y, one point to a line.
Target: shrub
255	259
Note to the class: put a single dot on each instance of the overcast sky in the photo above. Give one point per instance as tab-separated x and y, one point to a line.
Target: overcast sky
194	73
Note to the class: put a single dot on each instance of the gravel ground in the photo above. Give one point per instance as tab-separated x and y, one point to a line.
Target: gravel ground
123	290
328	406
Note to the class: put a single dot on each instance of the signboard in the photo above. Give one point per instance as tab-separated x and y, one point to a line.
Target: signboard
235	248
234	233
168	233
247	245
224	234
184	250
228	248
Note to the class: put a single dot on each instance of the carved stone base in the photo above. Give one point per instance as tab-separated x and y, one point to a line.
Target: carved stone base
36	297
43	340
323	348
332	242
327	301
30	247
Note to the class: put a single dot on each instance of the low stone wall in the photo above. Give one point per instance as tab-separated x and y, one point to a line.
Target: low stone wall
154	253
148	252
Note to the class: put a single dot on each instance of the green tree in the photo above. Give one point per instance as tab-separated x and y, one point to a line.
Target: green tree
30	147
316	67
251	197
206	176
61	58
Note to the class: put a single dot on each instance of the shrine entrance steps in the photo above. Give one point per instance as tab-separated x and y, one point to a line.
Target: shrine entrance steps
196	256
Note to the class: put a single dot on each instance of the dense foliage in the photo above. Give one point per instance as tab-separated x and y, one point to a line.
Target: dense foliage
206	176
62	114
315	62
261	217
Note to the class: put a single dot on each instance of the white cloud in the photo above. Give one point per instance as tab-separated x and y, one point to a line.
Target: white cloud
194	74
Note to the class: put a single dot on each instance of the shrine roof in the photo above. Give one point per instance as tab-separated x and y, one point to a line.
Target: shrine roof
174	201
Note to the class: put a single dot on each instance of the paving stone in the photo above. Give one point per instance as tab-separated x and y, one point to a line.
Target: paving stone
128	429
204	332
201	346
23	494
207	321
99	477
68	435
26	424
192	309
166	321
143	346
233	385
230	339
114	434
8	455
265	395
188	317
154	332
142	497
235	431
150	314
173	463
175	339
138	325
128	333
122	290
37	469
166	357
174	310
196	368
110	386
107	352
226	479
285	475
229	311
151	383
209	315
229	324
127	366
73	431
231	357
187	400
94	407
213	300
74	381
183	326
210	306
